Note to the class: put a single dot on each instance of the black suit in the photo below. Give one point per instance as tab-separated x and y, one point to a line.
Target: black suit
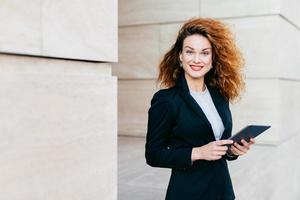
176	124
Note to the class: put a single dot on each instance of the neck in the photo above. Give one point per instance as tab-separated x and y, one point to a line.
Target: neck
195	84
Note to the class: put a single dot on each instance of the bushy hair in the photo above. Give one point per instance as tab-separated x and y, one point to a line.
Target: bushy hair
227	60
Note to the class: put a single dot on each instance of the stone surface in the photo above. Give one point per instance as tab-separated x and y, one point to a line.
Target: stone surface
238	8
289	108
260	104
168	35
19	27
136	180
273	170
134	12
268	55
84	30
244	8
53	125
11	64
139	52
271	102
290	10
134	101
289	51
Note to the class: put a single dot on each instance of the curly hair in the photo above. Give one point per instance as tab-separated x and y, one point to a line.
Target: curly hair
227	60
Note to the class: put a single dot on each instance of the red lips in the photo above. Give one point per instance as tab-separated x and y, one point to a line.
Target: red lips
196	67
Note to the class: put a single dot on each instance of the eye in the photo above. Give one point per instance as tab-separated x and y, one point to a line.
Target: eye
206	53
189	52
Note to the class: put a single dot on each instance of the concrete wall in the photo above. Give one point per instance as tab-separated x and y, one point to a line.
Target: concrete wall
269	35
85	30
58	119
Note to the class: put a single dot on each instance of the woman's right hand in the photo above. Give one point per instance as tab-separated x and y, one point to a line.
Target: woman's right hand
211	151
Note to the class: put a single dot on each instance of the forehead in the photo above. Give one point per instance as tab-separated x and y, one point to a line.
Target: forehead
196	41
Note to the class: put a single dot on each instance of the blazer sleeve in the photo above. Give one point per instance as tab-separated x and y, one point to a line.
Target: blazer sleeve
160	123
230	157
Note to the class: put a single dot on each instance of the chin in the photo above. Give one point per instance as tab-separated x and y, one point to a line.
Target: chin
197	75
201	73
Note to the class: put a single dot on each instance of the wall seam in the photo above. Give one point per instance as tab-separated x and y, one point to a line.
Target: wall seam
220	18
290	22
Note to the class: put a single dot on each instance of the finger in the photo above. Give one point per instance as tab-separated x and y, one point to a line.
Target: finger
216	147
252	141
221	148
233	151
246	145
240	147
236	151
224	142
219	153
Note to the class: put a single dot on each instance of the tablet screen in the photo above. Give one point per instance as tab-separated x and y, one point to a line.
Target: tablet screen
248	132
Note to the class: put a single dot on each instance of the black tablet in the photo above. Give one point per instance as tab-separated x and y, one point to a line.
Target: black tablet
250	131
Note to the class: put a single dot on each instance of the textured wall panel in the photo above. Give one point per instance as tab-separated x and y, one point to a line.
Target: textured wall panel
238	8
85	30
23	64
134	101
272	102
266	43
290	10
168	35
143	12
289	51
20	25
58	133
80	29
139	52
272	176
260	104
289	108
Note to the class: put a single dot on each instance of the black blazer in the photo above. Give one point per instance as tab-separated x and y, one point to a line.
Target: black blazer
176	124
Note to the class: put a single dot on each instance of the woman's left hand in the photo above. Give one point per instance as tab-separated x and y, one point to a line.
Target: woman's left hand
239	150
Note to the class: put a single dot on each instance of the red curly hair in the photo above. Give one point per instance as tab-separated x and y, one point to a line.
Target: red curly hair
227	60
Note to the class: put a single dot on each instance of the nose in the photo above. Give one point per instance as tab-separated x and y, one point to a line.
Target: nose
197	58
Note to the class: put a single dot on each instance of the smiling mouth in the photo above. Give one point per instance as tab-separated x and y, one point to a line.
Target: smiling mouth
196	68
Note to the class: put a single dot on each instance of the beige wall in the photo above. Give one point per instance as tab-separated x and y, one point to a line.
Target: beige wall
85	30
269	35
58	119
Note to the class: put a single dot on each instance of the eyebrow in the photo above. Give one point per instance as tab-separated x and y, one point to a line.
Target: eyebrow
193	48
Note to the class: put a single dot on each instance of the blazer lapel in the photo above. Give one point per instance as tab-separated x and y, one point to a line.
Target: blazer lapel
215	95
220	105
185	94
224	112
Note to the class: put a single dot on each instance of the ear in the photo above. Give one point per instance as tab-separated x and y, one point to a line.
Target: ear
180	57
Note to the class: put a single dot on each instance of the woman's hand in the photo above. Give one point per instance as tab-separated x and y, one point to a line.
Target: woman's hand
238	150
211	151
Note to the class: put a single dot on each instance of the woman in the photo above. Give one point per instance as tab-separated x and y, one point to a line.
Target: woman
190	121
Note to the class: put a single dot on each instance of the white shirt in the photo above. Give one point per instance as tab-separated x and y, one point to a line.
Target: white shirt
206	103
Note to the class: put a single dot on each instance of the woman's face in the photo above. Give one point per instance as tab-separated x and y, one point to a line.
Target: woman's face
196	56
